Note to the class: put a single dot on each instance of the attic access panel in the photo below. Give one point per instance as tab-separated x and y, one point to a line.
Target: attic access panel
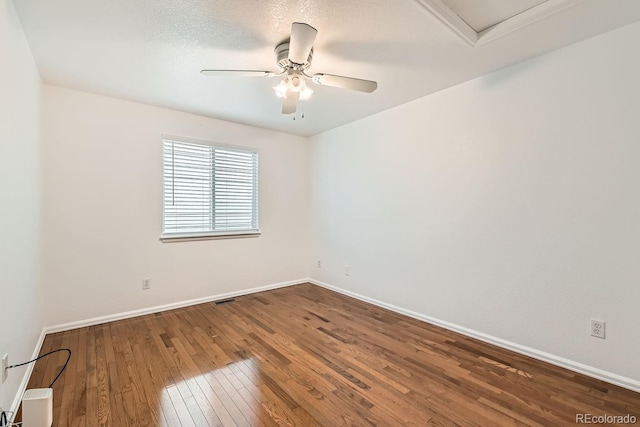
481	15
480	21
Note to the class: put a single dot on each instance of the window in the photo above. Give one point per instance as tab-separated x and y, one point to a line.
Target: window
208	190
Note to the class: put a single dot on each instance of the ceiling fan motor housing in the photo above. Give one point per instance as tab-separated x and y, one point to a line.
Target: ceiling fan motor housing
282	57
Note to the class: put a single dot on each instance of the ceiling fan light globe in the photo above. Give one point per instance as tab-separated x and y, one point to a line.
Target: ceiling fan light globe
306	93
281	89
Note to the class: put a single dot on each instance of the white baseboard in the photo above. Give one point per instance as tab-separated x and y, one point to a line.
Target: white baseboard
25	378
590	371
166	307
126	315
553	359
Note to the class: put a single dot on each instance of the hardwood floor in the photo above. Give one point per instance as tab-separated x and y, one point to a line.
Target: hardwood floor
306	356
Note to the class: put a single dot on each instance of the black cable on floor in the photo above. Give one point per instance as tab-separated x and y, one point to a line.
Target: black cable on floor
45	355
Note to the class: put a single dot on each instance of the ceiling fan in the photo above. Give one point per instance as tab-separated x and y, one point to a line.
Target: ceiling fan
294	59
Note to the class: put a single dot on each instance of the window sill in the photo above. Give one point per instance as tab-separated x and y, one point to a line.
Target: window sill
174	238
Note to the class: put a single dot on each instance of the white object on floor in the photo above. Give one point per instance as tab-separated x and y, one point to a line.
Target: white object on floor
37	407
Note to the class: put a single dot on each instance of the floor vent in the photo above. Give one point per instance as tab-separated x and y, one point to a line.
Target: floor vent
225	301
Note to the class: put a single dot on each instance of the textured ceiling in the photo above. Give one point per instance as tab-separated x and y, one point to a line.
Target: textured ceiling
151	51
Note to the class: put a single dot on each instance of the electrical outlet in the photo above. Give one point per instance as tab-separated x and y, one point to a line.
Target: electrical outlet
598	328
347	270
5	365
319	264
146	284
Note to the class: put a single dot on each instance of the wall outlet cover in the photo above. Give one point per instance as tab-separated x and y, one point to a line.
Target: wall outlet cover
5	364
598	328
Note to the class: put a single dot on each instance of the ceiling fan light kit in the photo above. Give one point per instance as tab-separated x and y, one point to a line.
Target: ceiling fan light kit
293	85
294	59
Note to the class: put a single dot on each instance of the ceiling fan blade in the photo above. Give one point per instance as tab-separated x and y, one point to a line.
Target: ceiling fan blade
301	42
237	73
345	82
290	103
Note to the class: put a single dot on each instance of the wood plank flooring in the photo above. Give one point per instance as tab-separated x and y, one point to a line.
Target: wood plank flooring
306	356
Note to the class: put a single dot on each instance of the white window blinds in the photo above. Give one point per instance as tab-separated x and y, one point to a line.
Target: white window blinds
208	190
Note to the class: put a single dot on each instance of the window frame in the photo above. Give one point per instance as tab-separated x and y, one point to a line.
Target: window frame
208	235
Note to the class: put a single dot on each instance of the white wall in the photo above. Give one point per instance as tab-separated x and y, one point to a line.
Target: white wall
102	206
508	204
20	291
